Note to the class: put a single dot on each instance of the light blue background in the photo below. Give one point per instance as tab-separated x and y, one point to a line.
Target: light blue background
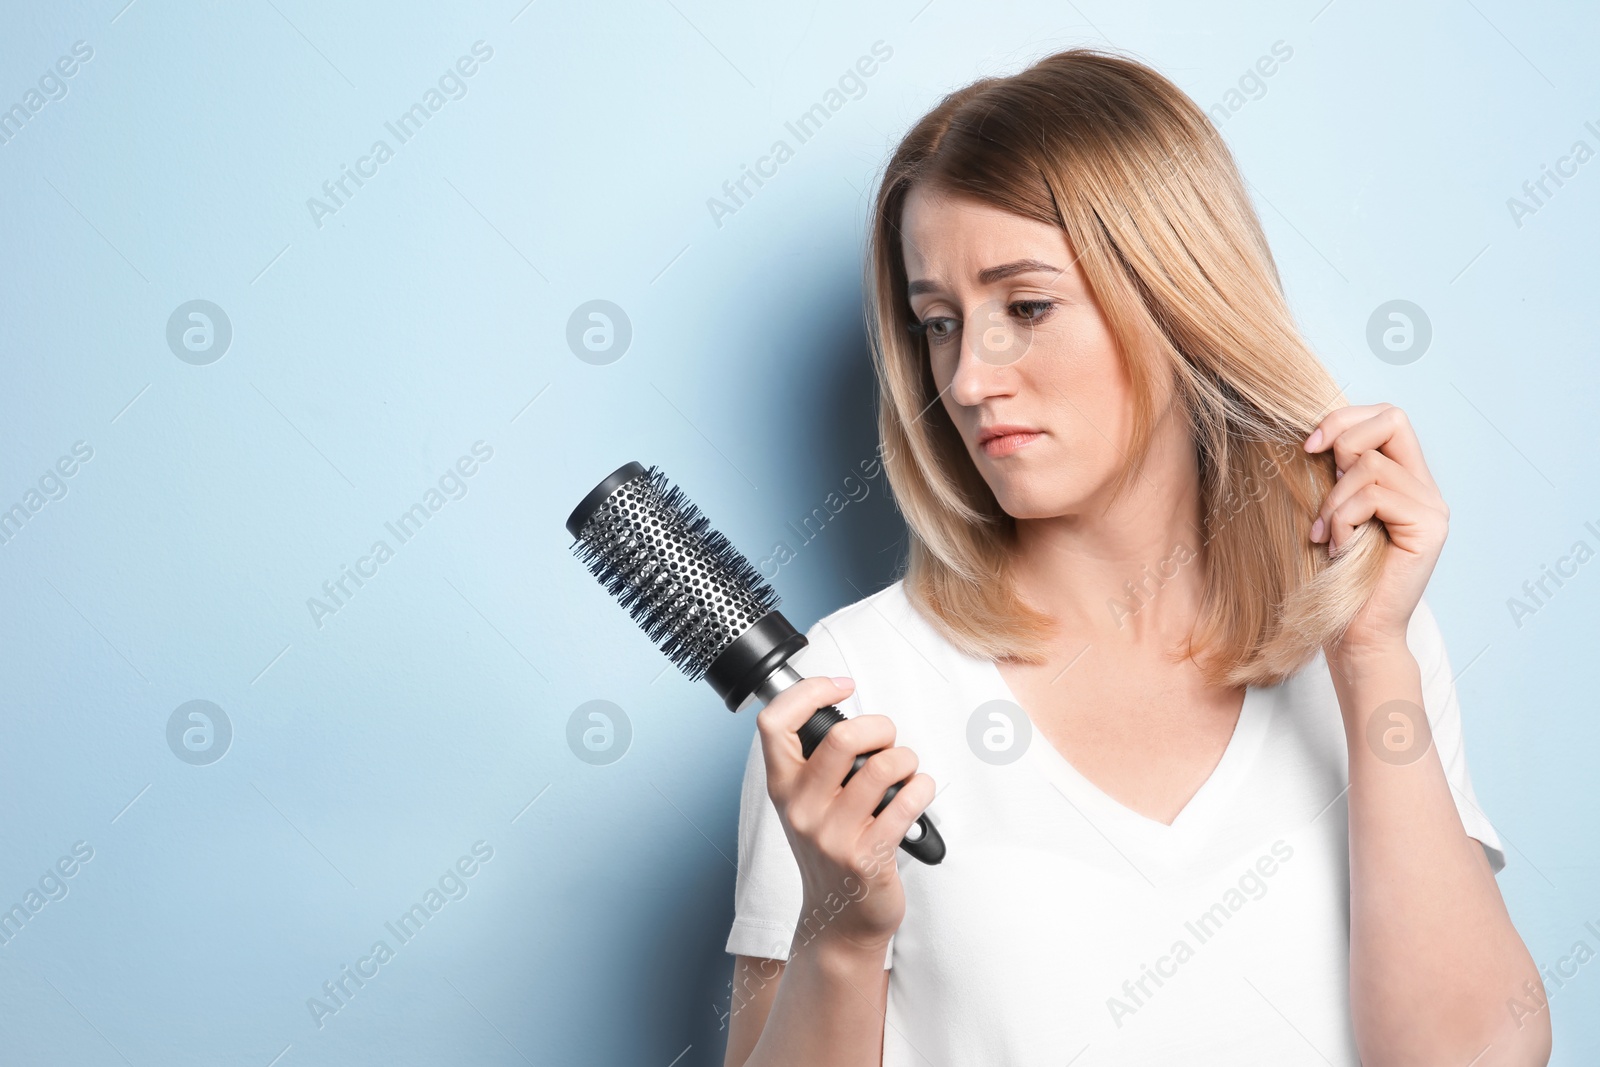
369	353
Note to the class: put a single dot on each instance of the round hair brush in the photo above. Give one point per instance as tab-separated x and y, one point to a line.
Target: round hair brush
703	604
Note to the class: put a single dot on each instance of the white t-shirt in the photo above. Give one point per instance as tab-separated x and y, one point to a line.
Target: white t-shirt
1063	927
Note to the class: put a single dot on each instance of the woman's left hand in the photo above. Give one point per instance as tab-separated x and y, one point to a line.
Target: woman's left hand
1384	476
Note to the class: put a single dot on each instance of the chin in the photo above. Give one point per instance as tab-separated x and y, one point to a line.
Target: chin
1025	502
1040	487
1030	509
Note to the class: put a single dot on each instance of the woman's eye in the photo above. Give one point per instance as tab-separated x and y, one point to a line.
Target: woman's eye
938	329
941	328
1032	310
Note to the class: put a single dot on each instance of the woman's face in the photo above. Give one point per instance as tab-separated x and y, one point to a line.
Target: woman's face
1018	343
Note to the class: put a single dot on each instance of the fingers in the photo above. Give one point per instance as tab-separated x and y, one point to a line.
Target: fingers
1353	431
811	794
1404	516
817	782
839	749
852	830
783	716
1371	469
789	774
1357	508
1382	475
882	770
894	821
1336	422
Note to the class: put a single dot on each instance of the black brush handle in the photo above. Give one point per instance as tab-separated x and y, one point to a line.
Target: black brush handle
923	842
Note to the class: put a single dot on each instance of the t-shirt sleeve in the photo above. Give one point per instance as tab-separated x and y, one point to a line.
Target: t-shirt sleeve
1426	642
767	893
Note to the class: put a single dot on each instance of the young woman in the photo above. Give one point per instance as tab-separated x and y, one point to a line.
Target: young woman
1160	642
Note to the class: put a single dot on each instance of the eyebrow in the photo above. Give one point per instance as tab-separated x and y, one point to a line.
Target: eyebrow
990	275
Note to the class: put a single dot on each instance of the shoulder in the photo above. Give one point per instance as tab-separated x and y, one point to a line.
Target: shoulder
901	665
871	613
883	627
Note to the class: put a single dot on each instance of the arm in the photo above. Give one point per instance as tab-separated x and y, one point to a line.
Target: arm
1434	958
826	1003
755	985
831	1002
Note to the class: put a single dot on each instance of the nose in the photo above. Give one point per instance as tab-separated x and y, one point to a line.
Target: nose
983	369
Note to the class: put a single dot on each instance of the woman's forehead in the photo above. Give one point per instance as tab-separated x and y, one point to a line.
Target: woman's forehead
960	238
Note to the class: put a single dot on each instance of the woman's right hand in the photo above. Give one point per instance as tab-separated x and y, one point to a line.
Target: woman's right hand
845	854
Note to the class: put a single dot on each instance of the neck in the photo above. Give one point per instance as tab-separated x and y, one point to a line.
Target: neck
1126	571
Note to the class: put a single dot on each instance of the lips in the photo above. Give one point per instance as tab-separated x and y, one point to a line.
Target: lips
1001	429
1005	439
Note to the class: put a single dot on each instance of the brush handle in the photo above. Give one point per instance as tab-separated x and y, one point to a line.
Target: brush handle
923	842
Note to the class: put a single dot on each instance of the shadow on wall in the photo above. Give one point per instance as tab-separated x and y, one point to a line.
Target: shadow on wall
847	539
839	557
671	978
873	545
633	959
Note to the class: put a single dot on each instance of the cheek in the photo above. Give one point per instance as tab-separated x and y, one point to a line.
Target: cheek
942	371
1080	373
942	361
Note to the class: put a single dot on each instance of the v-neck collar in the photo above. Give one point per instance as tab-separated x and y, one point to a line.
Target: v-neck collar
1119	823
1152	846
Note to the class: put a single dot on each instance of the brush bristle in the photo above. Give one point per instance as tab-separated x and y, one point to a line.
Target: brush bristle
684	583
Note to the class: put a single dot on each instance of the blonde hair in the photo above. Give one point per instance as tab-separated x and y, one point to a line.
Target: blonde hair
1152	203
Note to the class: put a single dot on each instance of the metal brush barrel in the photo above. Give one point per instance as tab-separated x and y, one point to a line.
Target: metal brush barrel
690	590
703	603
